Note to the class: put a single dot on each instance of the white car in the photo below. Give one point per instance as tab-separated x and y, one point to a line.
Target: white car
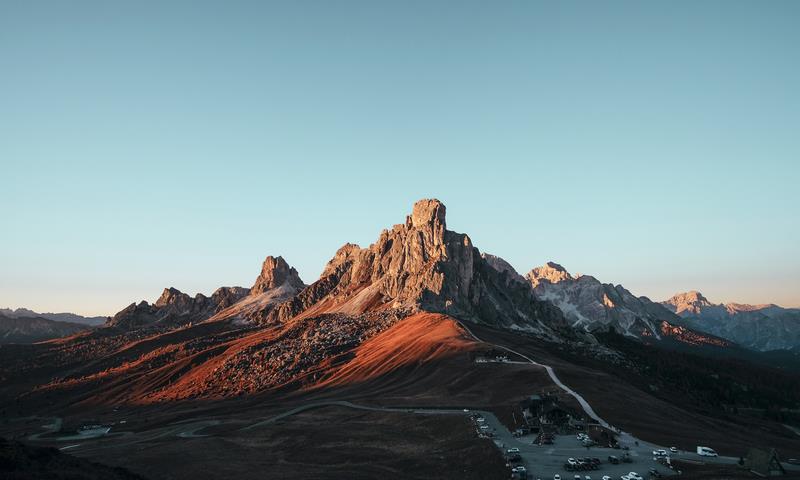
673	449
512	450
484	427
587	477
480	419
572	461
556	477
634	476
606	477
518	469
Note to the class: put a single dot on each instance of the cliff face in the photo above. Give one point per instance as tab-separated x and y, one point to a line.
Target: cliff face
421	266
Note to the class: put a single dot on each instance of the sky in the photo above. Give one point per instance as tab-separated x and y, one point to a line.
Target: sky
151	144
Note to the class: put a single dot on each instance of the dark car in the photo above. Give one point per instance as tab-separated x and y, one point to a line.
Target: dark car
613	460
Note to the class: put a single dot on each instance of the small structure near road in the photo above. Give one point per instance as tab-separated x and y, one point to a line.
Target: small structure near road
764	463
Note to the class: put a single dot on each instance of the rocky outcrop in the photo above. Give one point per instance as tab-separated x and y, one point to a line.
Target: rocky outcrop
759	327
589	304
419	265
275	272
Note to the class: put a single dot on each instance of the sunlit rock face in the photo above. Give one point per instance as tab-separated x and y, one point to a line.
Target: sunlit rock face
760	327
275	272
589	304
420	265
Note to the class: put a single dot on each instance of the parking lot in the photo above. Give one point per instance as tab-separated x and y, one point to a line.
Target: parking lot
546	461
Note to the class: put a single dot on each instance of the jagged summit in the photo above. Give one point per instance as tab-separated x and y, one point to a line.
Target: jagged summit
688	303
275	272
428	213
173	296
550	272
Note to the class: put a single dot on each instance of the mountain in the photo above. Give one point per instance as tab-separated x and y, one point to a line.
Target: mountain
58	317
35	329
419	265
759	327
591	305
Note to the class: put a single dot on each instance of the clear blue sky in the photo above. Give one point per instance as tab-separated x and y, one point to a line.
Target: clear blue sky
152	144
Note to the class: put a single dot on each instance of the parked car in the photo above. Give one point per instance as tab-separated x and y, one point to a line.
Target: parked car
793	461
613	460
673	449
556	477
518	469
634	476
512	450
606	477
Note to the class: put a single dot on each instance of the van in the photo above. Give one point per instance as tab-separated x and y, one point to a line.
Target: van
706	452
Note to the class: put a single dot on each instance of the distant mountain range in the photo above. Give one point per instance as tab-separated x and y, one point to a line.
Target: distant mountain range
26	326
35	329
759	327
591	305
58	317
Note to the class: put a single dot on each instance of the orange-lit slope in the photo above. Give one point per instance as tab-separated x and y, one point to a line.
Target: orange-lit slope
414	341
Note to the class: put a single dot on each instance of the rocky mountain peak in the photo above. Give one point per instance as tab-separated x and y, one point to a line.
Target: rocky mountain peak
173	296
275	272
691	302
550	272
429	213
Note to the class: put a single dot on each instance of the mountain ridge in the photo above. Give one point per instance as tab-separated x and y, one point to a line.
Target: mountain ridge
759	327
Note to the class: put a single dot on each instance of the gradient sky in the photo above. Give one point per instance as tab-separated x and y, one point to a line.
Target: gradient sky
153	144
